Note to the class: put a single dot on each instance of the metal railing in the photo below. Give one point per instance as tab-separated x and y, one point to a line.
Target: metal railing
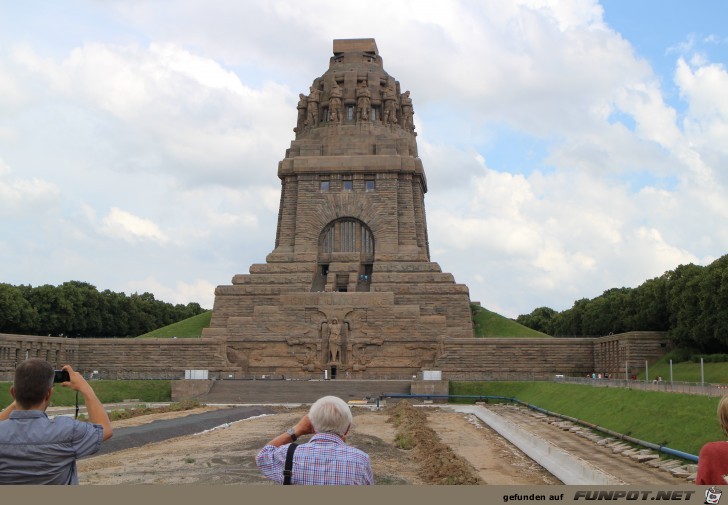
693	388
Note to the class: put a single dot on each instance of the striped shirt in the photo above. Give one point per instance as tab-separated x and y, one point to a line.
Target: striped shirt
324	460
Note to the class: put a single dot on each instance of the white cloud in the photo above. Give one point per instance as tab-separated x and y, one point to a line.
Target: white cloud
123	225
12	96
181	292
174	110
706	122
557	164
24	198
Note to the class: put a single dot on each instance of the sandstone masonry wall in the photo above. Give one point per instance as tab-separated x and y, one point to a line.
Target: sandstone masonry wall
467	359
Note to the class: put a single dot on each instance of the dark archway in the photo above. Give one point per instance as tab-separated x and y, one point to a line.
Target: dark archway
339	237
346	235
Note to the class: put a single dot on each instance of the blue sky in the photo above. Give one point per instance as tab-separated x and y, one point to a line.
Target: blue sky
570	147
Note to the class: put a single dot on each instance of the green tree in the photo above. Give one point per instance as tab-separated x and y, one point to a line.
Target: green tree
78	309
540	319
683	297
17	315
647	308
605	314
569	322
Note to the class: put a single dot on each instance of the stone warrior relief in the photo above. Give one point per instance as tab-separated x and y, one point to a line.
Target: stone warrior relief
390	105
244	354
407	112
308	357
302	106
363	101
334	329
312	110
396	109
424	355
335	103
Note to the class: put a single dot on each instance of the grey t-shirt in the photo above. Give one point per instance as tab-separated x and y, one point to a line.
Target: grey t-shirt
38	450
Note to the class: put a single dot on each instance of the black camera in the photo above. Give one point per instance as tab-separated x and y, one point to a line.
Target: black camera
61	376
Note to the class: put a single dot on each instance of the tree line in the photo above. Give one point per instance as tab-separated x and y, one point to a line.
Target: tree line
690	303
78	309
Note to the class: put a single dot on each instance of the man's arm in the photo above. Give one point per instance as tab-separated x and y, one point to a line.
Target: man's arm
96	412
6	411
270	460
302	427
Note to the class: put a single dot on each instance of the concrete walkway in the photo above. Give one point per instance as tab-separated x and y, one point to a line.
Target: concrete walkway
566	467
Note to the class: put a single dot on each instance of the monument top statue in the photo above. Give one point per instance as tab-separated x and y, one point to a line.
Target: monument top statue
355	90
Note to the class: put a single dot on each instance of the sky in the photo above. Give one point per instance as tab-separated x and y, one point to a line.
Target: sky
570	146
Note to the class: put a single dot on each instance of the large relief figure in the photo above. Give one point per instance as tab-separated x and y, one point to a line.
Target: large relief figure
363	102
334	341
335	103
407	112
390	106
312	111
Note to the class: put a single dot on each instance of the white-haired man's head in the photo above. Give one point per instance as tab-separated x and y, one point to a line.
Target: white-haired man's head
330	414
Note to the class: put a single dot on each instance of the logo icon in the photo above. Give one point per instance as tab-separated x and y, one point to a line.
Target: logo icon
712	495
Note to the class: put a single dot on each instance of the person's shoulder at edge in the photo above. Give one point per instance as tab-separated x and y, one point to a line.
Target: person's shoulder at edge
713	448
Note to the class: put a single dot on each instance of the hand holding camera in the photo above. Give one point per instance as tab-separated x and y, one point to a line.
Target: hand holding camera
61	376
68	377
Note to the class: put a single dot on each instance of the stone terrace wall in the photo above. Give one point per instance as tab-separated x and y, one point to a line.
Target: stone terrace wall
115	358
17	348
461	358
158	358
515	358
541	358
612	353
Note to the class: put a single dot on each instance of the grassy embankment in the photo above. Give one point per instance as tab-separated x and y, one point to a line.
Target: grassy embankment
491	325
687	371
188	328
108	391
679	421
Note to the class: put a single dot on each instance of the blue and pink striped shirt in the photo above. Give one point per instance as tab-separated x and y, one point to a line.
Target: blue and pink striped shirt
324	460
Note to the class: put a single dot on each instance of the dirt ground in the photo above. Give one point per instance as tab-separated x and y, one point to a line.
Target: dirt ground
227	455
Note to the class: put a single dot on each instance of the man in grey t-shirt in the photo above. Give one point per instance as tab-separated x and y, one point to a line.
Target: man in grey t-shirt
37	450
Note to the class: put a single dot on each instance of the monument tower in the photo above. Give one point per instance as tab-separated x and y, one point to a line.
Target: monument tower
349	287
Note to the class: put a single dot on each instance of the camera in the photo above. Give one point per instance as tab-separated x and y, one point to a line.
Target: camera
61	376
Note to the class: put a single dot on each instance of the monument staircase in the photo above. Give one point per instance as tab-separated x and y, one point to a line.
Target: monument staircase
299	391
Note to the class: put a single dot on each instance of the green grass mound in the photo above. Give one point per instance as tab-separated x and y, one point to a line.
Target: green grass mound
188	328
489	324
687	371
108	391
679	421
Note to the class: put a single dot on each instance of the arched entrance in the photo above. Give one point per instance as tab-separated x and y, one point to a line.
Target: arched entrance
349	244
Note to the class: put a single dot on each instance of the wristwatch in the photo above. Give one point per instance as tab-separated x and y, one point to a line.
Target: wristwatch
291	433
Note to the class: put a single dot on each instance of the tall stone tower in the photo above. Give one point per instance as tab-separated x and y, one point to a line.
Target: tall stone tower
349	288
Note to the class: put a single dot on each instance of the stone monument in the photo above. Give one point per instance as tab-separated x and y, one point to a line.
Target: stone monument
349	288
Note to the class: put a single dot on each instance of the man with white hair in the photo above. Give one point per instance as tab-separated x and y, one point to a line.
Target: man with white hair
325	459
